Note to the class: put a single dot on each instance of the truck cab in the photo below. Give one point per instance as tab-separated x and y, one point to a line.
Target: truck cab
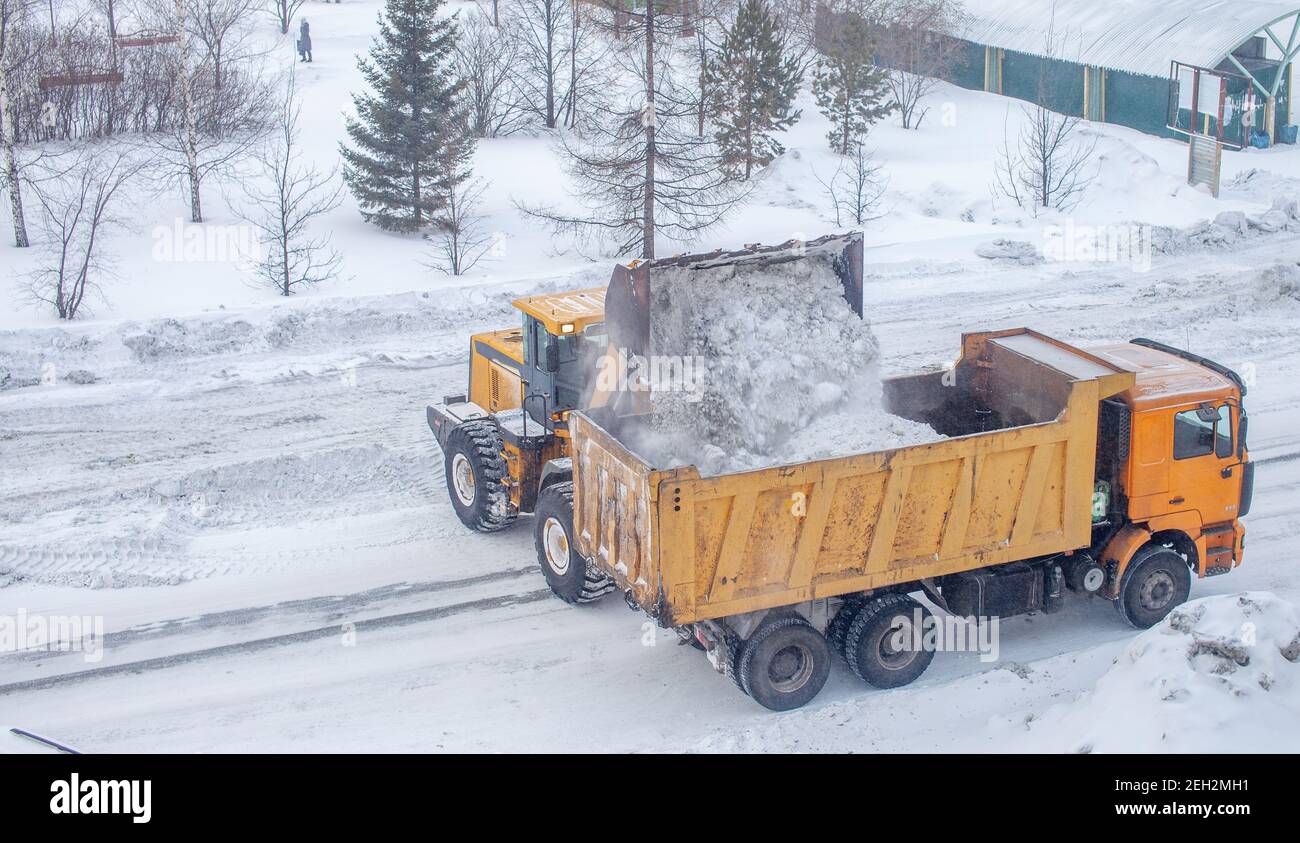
1179	464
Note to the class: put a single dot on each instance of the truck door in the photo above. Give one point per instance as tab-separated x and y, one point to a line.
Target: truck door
1205	474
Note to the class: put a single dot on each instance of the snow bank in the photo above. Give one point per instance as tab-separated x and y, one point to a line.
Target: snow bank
1220	674
788	370
1278	283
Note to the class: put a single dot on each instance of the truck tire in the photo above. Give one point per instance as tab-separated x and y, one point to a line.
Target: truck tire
731	666
475	471
1157	579
571	577
784	664
871	646
838	629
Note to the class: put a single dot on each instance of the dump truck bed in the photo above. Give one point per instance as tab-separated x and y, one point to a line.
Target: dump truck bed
1013	481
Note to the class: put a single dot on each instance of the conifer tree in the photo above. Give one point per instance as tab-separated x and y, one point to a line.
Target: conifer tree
851	91
409	139
753	81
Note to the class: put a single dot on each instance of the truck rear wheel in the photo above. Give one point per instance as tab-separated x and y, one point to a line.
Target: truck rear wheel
1157	580
784	664
570	576
838	628
475	471
881	646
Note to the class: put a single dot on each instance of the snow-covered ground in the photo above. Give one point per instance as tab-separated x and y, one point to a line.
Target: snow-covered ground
245	490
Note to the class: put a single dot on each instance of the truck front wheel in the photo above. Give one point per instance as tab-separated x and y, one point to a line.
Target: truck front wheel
784	664
475	471
885	642
1157	580
570	576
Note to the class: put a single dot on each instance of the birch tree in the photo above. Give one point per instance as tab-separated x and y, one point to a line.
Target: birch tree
11	13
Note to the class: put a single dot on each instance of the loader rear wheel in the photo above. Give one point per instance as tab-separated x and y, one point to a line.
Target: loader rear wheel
571	577
475	471
880	645
1156	581
784	664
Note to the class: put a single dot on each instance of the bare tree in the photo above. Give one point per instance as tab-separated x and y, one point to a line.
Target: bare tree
540	29
11	12
220	124
642	170
462	240
798	19
557	54
283	12
1047	166
284	200
485	59
856	187
703	38
224	28
917	50
75	211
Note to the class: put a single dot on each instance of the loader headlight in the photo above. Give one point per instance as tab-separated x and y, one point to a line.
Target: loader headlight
566	328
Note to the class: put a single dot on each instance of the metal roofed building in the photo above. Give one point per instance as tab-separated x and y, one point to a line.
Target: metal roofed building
1113	60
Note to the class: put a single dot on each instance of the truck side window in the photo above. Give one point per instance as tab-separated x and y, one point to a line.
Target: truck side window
1195	437
1223	433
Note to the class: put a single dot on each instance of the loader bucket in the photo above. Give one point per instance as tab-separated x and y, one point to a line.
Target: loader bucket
627	301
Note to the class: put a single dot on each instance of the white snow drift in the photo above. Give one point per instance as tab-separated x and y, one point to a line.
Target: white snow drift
1220	674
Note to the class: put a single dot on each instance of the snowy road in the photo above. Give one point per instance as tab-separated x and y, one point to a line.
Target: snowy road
254	505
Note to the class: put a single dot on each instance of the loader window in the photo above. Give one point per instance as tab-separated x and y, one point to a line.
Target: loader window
1203	431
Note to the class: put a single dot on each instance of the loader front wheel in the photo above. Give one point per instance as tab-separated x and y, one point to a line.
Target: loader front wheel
475	471
784	664
884	645
569	575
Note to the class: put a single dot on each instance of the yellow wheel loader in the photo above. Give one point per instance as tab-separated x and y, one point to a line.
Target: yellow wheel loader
506	441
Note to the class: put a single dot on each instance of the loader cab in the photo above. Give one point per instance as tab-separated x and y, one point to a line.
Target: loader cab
563	337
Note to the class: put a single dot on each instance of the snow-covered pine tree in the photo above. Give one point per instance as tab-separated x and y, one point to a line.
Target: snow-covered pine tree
753	81
409	140
851	91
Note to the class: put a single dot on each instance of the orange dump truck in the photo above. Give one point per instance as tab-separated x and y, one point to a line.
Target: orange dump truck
1119	471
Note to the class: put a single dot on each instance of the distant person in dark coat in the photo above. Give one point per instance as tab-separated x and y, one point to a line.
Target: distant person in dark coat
304	42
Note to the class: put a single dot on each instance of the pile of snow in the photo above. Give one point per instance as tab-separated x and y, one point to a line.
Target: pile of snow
1014	251
1220	674
787	370
1226	230
1278	283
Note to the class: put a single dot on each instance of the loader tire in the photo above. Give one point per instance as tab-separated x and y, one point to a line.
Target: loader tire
476	473
570	576
1157	580
873	646
784	664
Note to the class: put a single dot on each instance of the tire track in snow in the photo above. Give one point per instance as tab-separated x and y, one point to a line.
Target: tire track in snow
274	641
